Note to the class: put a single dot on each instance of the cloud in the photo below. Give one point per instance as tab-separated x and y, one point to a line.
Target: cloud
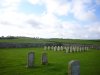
10	5
98	2
93	31
82	10
13	18
63	9
48	24
95	27
34	1
48	19
57	7
75	30
6	3
53	6
34	23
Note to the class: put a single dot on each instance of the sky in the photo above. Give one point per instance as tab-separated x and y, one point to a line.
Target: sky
74	19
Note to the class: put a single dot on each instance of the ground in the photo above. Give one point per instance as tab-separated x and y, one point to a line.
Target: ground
13	61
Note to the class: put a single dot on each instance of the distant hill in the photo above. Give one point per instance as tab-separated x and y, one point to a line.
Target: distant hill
12	39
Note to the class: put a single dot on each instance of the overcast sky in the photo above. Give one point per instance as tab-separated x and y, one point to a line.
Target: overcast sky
79	19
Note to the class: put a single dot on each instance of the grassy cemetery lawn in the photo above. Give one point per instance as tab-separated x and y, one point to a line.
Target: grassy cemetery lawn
13	61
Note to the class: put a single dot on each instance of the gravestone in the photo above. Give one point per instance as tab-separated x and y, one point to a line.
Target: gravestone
77	49
45	47
70	49
74	49
74	67
83	49
58	48
61	48
80	49
51	47
44	59
31	58
48	47
87	48
65	47
55	48
67	51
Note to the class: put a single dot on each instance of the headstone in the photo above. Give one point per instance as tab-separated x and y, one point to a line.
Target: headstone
65	47
48	47
77	49
70	49
55	48
83	49
80	49
61	48
67	51
31	58
74	67
51	47
58	48
44	59
87	48
45	47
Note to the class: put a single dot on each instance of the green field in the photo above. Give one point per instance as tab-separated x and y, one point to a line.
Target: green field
13	62
52	40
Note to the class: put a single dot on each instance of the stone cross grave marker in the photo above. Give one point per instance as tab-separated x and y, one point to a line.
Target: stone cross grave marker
44	59
74	67
31	58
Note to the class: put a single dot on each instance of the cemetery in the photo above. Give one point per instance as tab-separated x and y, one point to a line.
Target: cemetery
58	58
49	37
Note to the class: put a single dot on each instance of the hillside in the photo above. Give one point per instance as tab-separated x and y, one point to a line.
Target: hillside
52	40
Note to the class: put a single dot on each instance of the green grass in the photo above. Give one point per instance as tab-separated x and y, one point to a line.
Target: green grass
31	40
13	62
23	40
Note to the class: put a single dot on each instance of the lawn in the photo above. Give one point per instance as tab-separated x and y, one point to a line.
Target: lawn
13	62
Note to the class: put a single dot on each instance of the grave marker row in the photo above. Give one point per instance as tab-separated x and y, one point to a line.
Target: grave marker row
67	49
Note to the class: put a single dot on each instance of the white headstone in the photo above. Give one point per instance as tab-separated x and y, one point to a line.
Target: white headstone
70	49
61	48
52	47
45	47
58	48
55	48
48	47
